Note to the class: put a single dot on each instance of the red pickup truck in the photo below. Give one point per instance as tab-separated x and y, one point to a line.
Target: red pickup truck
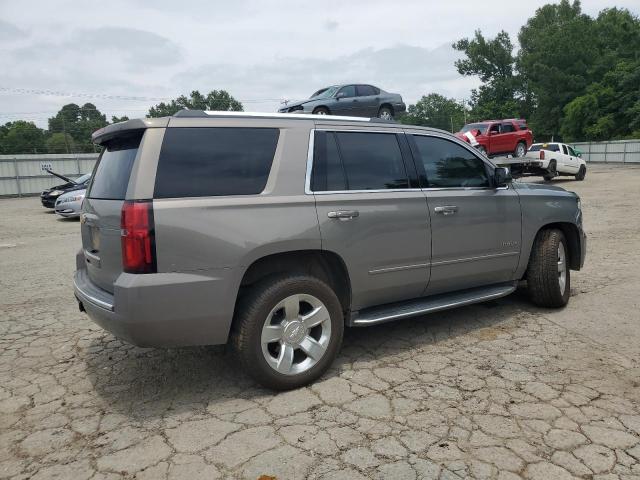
498	137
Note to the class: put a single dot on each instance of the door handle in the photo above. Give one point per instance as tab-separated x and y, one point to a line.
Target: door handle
344	214
446	209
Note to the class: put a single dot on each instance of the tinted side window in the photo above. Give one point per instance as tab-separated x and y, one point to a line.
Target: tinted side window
112	172
328	174
372	161
365	90
507	127
348	91
495	128
202	162
447	164
564	150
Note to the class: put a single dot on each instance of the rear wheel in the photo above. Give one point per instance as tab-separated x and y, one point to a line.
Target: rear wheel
551	171
581	173
321	111
288	330
385	113
521	150
548	275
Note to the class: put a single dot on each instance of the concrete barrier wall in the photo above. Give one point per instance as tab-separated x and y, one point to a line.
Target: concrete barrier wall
25	174
615	151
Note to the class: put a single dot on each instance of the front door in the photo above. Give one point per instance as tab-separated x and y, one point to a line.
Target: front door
475	228
345	101
369	215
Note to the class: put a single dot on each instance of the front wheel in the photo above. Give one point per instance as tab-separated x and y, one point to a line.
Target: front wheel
581	173
521	150
288	330
548	275
321	111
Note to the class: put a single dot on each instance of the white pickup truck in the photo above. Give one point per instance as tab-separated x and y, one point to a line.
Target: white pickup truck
551	160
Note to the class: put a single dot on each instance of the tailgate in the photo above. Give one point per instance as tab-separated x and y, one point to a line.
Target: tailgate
101	239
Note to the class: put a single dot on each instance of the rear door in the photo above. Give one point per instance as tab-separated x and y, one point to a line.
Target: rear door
371	213
100	219
368	99
475	227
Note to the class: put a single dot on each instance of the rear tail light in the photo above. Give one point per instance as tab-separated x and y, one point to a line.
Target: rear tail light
138	237
541	154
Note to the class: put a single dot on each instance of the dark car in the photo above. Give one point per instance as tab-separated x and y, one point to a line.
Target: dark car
49	196
355	100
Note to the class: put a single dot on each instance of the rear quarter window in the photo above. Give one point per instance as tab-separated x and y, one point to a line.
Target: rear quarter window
204	162
112	172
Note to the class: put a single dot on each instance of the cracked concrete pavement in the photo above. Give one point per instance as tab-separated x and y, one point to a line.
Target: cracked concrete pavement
501	390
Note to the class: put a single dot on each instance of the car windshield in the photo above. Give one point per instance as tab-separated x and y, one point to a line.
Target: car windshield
325	92
475	126
83	178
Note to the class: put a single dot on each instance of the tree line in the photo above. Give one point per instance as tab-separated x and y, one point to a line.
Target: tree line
69	131
572	76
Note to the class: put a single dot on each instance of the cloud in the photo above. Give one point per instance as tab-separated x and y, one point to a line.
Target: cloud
331	25
409	70
9	32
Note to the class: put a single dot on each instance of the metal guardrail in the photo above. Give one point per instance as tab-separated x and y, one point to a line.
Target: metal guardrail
22	175
614	151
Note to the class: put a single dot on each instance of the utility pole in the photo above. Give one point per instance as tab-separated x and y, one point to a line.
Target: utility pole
64	132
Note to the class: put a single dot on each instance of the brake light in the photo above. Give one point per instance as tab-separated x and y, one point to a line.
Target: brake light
138	237
541	154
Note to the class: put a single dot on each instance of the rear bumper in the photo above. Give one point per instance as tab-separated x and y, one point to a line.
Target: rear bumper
160	310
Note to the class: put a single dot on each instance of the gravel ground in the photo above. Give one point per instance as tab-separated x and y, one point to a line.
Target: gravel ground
499	390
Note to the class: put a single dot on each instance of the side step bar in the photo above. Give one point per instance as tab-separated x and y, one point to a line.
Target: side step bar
435	303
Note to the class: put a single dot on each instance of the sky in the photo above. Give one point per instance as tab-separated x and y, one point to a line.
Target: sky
126	55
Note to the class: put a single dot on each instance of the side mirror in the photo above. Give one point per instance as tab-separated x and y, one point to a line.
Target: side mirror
502	176
340	95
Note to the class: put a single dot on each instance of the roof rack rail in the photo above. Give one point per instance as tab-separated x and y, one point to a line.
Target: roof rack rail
209	114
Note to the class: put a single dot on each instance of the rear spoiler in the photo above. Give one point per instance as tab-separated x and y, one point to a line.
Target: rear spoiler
111	131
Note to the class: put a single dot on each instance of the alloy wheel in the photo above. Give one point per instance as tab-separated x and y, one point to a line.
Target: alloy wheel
296	334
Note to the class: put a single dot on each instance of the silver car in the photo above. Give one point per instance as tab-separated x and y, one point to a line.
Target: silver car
358	100
69	204
276	232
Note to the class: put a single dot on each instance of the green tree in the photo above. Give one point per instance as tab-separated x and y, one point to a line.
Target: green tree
608	109
79	122
214	100
21	137
435	110
60	143
558	52
503	92
115	119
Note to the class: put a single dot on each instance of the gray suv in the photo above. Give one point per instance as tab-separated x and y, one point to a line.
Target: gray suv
275	232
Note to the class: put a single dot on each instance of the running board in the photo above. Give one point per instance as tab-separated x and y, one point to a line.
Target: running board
435	303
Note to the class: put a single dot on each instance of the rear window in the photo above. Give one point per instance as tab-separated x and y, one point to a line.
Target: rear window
112	172
357	161
206	162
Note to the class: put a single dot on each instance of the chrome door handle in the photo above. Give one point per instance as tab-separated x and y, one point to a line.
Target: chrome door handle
344	214
446	209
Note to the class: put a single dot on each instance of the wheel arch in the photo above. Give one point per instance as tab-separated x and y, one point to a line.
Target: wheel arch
325	265
572	236
387	105
321	106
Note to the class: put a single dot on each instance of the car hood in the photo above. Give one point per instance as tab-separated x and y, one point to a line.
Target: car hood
66	187
72	192
301	102
538	187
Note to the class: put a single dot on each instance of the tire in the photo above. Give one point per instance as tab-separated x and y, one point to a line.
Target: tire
544	275
385	113
321	111
581	173
521	150
552	171
261	314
